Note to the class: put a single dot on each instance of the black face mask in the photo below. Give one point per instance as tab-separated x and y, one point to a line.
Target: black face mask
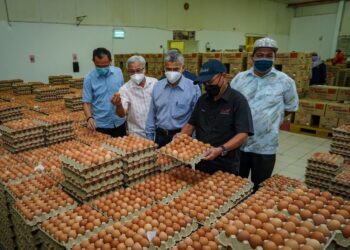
212	90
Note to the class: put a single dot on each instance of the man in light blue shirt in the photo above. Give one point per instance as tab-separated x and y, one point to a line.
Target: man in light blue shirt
100	84
271	95
173	100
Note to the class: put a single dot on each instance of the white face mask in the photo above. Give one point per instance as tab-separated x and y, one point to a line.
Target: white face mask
137	78
173	76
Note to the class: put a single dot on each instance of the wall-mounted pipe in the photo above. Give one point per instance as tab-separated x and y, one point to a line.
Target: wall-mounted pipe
7	14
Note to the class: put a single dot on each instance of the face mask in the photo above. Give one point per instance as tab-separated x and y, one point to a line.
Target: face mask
137	78
263	65
212	90
102	71
173	76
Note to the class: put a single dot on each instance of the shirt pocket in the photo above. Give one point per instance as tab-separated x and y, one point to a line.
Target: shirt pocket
180	110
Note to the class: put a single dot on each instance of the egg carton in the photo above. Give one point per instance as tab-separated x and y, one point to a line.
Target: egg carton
90	188
83	196
48	239
83	180
79	168
132	156
178	236
91	172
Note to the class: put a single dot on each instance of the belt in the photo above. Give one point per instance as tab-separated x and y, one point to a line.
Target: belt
167	132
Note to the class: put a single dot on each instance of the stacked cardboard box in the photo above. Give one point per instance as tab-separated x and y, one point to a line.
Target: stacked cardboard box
235	62
193	62
60	79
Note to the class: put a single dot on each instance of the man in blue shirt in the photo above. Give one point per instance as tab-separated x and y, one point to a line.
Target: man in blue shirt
173	100
100	84
271	95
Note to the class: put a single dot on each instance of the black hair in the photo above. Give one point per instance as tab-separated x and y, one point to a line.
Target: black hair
100	52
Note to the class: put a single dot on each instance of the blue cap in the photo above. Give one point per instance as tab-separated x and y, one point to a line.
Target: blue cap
209	69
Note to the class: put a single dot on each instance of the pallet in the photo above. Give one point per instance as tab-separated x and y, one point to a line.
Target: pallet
313	131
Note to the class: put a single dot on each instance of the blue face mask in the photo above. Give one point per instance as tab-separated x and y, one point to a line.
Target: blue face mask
263	65
102	71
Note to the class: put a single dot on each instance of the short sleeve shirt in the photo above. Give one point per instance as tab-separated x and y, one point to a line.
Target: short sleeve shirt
268	97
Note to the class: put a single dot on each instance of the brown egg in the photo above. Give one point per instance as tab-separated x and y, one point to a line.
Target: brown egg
284	233
346	231
269	227
289	226
324	230
262	233
293	244
276	222
303	231
318	219
282	205
277	239
318	236
243	235
269	245
255	241
298	238
305	214
244	218
293	209
262	217
314	244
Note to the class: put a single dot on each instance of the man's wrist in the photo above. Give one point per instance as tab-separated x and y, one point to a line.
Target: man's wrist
90	117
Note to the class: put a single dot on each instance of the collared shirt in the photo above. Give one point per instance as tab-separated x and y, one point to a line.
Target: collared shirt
136	100
268	97
99	90
216	122
171	107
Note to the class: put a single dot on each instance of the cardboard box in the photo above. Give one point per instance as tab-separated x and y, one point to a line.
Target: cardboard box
211	55
338	110
313	107
323	92
301	118
328	122
343	94
233	57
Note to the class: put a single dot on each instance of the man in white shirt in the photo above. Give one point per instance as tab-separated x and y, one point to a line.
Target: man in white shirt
134	97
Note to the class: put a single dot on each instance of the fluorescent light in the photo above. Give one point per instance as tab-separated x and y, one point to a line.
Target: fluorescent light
118	33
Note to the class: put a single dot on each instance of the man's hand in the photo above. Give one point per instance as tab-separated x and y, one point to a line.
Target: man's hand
116	99
91	124
212	153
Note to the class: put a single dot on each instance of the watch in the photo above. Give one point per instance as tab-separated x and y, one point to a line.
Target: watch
224	150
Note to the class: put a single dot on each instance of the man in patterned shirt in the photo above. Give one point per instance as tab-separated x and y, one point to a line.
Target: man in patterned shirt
271	95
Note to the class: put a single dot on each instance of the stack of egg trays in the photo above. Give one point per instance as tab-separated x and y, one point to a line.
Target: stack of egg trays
87	182
173	164
22	89
136	179
341	150
341	133
49	242
141	166
129	216
19	140
339	188
57	132
73	102
10	111
27	232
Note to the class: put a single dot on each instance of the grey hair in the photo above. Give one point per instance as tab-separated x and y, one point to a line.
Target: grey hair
174	55
136	58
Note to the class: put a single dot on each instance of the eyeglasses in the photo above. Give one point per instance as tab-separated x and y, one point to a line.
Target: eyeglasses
136	71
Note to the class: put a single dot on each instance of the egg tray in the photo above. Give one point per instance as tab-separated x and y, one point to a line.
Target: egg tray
21	133
317	179
17	179
23	141
20	149
324	169
338	132
91	172
129	182
340	149
138	162
178	236
192	163
170	166
341	141
321	173
95	186
83	180
144	167
59	135
83	196
63	139
341	193
48	239
56	126
12	118
81	169
344	155
132	156
325	165
14	113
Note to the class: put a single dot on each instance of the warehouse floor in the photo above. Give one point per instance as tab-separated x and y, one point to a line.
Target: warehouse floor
294	150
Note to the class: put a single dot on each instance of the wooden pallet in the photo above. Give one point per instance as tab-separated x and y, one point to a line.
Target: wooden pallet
308	130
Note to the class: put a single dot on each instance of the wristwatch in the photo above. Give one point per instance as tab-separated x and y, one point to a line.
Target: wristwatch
224	150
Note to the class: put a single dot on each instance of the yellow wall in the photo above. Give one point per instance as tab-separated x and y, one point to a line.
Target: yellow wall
250	16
